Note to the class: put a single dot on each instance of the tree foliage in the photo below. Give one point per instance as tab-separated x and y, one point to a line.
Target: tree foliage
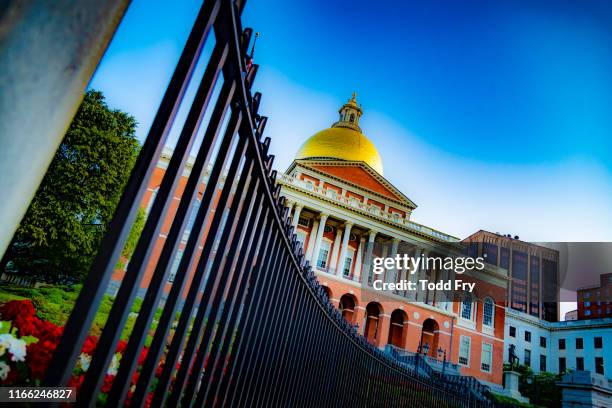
541	388
61	230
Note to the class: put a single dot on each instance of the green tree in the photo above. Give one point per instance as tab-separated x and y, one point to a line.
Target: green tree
61	230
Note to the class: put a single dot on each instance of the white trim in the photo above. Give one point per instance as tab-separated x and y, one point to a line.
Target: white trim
479	333
469	351
490	363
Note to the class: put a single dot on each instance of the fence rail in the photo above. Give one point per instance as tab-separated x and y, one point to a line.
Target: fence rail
245	322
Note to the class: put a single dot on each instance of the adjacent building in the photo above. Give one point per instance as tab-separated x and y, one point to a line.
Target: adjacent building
533	270
578	345
595	302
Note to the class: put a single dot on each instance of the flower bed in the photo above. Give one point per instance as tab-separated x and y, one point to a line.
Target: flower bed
27	344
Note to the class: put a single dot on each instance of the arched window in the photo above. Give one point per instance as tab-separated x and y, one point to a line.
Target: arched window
466	307
488	312
352	118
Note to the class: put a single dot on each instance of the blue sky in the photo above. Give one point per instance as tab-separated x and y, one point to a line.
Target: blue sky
492	115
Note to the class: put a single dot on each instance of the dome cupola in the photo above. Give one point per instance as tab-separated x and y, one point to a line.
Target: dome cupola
343	141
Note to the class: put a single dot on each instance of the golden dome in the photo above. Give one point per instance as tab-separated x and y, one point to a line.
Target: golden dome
343	140
341	143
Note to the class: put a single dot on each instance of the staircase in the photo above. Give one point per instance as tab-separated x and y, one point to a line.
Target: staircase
447	373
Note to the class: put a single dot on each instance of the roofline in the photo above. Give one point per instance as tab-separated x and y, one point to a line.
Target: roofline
408	202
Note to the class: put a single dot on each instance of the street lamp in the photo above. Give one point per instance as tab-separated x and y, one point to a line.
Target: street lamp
426	349
442	353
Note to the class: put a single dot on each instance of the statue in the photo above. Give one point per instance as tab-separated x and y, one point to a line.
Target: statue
512	357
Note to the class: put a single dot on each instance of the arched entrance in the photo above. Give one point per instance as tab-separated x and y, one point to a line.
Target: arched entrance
347	307
372	322
398	328
429	337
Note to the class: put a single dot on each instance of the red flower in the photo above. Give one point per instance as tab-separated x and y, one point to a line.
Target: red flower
149	400
28	325
128	398
121	346
143	356
90	345
108	383
51	332
135	377
11	310
39	356
76	382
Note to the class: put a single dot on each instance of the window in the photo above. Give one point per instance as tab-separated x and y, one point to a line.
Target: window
542	362
542	341
504	258
489	253
580	363
561	344
528	336
191	220
587	295
587	312
598	341
304	222
562	366
464	351
599	365
587	304
512	331
466	307
527	358
486	359
352	118
323	254
309	185
348	263
331	193
175	265
487	312
579	343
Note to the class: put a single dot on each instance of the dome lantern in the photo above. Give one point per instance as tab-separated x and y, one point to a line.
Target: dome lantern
343	140
350	113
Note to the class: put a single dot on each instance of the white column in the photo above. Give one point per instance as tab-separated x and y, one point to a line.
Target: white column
336	248
311	240
358	259
296	215
343	248
422	275
394	247
385	252
317	245
368	257
289	206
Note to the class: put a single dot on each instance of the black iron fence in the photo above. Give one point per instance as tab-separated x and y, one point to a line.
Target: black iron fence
245	322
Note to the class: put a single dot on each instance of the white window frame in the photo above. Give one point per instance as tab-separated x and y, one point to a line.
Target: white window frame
348	261
325	246
469	350
463	321
175	265
490	359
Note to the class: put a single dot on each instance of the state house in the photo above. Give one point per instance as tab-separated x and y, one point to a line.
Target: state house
345	212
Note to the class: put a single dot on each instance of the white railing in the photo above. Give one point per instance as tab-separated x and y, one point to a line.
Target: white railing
371	209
